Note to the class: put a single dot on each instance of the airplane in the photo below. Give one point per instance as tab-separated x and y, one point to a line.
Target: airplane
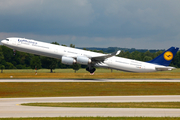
72	56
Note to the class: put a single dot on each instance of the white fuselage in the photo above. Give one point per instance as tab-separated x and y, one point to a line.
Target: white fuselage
58	51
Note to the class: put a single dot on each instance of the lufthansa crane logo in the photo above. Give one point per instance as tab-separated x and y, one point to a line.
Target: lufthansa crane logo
168	55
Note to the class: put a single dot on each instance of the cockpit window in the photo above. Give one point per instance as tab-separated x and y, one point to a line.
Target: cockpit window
7	39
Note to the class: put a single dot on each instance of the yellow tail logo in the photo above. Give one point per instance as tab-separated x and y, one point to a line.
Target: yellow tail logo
168	55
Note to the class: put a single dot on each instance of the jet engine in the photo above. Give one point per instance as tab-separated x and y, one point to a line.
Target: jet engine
83	60
68	60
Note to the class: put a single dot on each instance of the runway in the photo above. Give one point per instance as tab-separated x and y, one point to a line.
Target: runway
10	107
90	80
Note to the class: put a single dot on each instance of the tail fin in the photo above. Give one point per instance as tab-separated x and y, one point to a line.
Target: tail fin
166	57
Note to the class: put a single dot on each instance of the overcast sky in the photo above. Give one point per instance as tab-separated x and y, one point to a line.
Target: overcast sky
151	24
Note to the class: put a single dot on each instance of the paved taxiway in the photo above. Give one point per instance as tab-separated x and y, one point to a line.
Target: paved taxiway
10	107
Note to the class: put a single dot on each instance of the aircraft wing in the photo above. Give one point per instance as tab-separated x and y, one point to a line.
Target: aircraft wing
164	68
103	57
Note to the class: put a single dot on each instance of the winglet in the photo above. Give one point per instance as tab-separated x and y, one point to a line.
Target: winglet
115	53
101	58
118	52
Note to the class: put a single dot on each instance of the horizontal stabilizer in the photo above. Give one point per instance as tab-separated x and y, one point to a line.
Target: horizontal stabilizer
164	68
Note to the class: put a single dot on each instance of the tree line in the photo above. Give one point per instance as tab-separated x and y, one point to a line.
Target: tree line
10	59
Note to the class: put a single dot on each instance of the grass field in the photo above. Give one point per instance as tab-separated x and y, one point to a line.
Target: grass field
82	70
83	74
110	105
51	89
70	70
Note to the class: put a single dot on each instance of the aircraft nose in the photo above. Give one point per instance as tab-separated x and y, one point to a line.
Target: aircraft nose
3	41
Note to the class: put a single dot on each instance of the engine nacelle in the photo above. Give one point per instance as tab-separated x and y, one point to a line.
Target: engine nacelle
68	60
83	60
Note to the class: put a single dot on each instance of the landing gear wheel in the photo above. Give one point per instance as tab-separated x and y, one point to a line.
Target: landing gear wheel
87	69
91	70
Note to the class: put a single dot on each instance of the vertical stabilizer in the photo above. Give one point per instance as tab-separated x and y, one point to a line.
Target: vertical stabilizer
166	57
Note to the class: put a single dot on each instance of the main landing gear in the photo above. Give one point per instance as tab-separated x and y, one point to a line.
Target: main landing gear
91	70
